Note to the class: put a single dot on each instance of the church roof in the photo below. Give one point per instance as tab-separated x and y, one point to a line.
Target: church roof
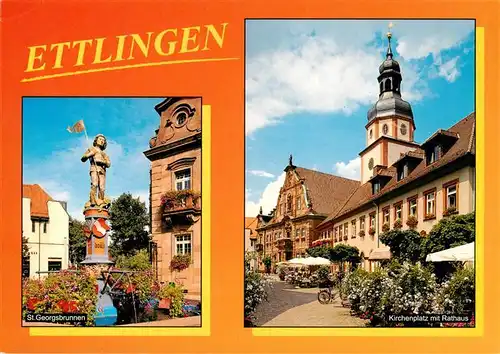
363	197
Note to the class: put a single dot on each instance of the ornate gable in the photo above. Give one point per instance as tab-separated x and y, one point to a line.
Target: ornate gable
180	118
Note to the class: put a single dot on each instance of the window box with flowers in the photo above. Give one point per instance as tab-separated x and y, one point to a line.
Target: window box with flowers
429	217
450	211
362	233
371	231
385	227
180	262
412	222
398	224
173	201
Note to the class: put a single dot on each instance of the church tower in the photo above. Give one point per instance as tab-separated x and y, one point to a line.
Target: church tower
390	128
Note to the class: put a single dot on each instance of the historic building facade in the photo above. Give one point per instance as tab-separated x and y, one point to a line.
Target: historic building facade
46	226
175	191
251	239
403	184
305	200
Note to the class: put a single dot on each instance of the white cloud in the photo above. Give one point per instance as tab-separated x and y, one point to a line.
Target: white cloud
449	70
268	198
260	173
350	170
317	77
314	69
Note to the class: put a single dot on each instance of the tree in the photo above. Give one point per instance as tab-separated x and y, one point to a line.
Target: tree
77	241
26	248
342	253
139	261
450	232
405	245
129	218
267	261
319	251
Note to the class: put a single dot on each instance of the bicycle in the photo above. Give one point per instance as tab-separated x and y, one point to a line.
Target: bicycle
326	295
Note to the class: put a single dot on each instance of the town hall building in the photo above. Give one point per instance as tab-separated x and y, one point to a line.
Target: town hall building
403	184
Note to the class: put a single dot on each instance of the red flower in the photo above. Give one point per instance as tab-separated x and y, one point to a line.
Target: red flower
72	306
371	318
63	305
130	289
32	303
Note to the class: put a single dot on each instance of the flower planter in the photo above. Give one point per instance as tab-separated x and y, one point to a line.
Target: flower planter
164	304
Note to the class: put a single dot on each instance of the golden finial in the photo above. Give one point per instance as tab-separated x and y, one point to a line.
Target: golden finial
389	33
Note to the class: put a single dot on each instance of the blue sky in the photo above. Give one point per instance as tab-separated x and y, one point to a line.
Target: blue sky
51	155
309	85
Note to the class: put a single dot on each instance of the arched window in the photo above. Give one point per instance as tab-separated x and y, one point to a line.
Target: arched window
388	85
289	204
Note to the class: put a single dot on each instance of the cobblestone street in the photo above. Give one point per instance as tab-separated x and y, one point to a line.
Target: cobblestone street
290	307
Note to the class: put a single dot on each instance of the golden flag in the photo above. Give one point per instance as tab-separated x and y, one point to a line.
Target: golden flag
78	127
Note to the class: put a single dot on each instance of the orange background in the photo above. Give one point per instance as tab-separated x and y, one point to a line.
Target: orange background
221	84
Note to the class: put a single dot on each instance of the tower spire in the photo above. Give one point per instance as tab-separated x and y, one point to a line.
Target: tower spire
389	36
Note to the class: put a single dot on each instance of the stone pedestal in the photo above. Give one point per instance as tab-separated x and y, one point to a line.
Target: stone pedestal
97	233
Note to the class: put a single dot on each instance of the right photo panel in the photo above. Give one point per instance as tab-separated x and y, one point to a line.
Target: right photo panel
359	173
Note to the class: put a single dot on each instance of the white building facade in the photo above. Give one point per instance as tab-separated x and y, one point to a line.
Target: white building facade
46	227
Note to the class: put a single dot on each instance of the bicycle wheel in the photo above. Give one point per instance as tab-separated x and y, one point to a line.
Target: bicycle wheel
323	297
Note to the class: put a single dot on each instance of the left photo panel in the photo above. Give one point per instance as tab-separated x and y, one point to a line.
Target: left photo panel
111	211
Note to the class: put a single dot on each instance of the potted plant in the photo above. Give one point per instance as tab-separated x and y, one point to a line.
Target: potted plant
180	262
430	216
171	298
385	227
398	224
371	231
412	222
362	233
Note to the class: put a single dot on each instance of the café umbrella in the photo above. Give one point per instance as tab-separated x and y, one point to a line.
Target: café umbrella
464	253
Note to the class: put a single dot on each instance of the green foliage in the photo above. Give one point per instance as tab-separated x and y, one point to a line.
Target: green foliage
267	261
450	232
77	241
323	273
176	296
129	217
53	293
26	248
319	251
172	199
457	295
405	245
350	288
344	253
139	261
256	290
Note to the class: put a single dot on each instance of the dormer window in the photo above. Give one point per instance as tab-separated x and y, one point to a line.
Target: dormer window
402	171
376	187
433	154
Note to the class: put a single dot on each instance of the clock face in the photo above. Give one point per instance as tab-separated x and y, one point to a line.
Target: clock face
385	129
403	129
370	164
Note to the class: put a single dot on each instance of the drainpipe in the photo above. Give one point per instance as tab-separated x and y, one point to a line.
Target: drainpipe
377	217
39	250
